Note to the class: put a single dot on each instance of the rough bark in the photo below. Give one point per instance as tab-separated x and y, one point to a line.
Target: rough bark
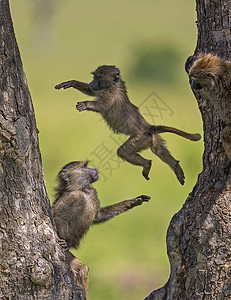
199	235
32	264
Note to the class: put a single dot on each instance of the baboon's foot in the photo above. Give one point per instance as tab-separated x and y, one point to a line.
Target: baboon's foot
179	173
146	170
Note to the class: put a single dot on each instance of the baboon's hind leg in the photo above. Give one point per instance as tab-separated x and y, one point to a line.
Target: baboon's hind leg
162	152
128	151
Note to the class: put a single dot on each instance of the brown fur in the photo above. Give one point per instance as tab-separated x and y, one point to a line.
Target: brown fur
211	75
112	102
209	64
77	206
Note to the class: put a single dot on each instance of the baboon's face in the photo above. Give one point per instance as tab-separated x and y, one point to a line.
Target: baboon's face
201	80
78	174
105	77
206	71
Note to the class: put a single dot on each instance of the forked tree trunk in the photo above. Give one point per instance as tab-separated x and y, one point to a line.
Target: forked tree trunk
199	235
32	265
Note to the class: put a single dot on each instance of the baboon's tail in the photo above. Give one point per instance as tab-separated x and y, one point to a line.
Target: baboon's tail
161	129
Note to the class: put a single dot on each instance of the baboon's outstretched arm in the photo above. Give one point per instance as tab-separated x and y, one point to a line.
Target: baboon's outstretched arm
108	212
89	105
81	86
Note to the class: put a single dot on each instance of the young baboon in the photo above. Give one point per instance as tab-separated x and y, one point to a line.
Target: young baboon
211	75
122	116
77	206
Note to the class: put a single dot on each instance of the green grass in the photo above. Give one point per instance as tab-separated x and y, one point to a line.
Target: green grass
127	256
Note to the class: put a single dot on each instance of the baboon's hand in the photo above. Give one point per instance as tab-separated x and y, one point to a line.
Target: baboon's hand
141	199
64	85
63	244
81	106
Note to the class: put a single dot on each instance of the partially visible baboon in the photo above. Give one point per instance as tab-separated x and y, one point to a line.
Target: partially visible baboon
77	206
122	116
211	75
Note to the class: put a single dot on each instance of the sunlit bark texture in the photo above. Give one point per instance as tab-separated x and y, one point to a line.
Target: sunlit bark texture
199	235
32	265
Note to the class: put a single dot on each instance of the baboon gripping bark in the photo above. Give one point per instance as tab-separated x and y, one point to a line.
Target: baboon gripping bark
77	206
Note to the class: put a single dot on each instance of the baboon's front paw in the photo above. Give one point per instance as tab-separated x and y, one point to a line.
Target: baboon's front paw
63	244
81	106
64	85
142	198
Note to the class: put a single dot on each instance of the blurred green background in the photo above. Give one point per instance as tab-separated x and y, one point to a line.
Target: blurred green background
149	41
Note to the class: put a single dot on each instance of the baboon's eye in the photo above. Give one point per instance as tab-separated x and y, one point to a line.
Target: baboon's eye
116	78
209	75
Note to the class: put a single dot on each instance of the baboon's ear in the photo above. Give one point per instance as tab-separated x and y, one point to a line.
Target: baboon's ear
189	62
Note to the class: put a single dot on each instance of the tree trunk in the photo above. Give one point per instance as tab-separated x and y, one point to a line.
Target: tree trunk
199	235
32	264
